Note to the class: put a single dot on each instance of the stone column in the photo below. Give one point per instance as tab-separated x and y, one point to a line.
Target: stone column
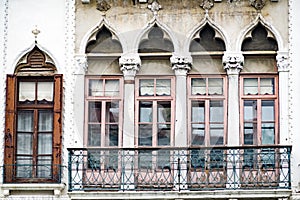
129	65
181	66
283	69
233	64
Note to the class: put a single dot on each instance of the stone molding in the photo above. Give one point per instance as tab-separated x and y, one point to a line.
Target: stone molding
129	64
233	62
181	64
282	59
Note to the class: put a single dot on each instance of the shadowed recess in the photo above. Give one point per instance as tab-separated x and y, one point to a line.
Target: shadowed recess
206	40
155	42
104	43
259	40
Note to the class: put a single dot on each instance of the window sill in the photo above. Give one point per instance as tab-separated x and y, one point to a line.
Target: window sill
8	187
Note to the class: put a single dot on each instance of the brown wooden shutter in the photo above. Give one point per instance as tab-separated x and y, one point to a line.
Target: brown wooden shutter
57	127
10	132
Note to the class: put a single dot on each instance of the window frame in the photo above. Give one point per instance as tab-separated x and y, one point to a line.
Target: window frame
259	98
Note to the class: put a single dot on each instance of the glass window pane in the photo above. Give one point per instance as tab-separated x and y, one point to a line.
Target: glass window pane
94	112
216	111
44	143
112	112
198	134
198	111
27	92
25	121
268	133
198	86
45	121
267	110
145	159
163	159
111	87
24	166
24	143
112	135
147	87
250	110
163	87
45	91
216	134
198	159
164	111
163	135
96	88
145	111
145	135
250	86
215	86
250	130
267	86
94	135
44	168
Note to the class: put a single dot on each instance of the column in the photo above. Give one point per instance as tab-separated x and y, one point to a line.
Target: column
233	64
129	65
283	69
181	66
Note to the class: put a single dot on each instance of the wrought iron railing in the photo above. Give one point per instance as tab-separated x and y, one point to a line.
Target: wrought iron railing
29	173
251	167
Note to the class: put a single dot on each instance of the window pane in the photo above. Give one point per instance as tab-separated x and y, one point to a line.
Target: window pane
198	86
24	166
24	143
44	167
164	111
198	136
111	87
198	159
45	91
268	133
216	111
145	135
216	134
94	135
250	86
145	111
25	121
250	110
44	143
267	110
145	159
112	112
95	112
198	111
163	160
163	87
163	135
215	86
96	88
27	92
267	86
45	121
249	130
147	87
112	135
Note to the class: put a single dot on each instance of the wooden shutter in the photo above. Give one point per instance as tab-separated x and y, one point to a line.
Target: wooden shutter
10	132
57	127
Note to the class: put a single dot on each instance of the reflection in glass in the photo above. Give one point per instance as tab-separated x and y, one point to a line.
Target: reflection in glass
111	88
94	135
112	112
145	111
94	112
145	135
96	88
164	111
112	132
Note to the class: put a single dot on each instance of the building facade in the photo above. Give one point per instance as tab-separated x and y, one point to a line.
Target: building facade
142	99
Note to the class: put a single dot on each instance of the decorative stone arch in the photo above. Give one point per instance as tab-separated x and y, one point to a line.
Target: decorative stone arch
271	31
92	33
219	33
168	34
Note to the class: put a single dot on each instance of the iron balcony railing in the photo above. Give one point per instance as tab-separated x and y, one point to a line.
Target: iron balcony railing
244	167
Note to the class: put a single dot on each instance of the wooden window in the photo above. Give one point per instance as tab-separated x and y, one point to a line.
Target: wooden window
207	118
259	110
103	111
33	129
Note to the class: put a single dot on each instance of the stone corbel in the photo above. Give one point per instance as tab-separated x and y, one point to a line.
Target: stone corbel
181	64
82	64
282	61
130	64
233	62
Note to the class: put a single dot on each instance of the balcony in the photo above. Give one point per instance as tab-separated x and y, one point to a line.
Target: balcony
179	169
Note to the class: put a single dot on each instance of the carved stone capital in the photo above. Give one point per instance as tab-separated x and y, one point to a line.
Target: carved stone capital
282	61
130	64
81	61
233	62
181	64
